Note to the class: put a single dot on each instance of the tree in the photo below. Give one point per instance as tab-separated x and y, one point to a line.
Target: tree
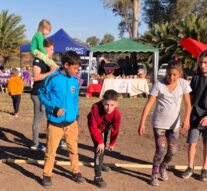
172	11
11	34
151	16
136	16
201	8
129	11
167	36
107	38
92	41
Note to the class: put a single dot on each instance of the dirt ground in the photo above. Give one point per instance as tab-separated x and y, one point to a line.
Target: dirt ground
16	135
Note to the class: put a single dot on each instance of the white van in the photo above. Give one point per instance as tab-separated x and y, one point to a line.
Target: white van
85	65
162	70
84	69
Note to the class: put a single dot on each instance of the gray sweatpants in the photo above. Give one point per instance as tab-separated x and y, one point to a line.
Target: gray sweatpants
39	114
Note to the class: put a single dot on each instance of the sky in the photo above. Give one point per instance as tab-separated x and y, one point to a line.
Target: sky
79	18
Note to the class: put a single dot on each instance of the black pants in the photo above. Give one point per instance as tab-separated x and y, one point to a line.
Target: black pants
98	157
16	102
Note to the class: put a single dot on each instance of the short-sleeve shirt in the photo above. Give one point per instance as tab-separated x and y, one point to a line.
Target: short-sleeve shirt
43	69
166	114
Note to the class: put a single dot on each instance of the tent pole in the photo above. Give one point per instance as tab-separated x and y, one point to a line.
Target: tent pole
156	60
89	69
20	56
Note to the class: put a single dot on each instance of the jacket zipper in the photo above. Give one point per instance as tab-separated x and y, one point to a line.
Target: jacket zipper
66	97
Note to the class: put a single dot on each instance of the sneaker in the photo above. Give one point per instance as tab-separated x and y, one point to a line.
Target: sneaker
78	178
38	146
203	175
99	181
46	182
62	144
163	173
15	115
187	173
106	168
154	181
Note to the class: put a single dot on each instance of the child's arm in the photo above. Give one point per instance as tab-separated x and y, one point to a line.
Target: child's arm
9	87
22	85
38	43
45	99
37	74
115	131
94	130
149	104
186	123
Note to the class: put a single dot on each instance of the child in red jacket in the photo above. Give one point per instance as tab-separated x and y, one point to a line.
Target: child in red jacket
103	118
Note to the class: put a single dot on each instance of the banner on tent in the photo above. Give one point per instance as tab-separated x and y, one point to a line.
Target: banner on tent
75	49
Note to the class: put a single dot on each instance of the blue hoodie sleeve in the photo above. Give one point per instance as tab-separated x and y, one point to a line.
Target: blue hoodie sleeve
44	94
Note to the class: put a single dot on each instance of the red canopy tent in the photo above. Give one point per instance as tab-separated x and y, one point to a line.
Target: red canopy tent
193	46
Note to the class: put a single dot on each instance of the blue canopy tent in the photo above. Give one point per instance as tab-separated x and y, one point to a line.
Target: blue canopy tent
63	42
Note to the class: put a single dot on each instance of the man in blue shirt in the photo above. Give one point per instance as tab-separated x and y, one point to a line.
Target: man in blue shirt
59	94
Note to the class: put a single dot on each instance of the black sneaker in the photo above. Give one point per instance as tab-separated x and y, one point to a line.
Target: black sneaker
203	175
106	168
78	178
187	173
46	182
98	181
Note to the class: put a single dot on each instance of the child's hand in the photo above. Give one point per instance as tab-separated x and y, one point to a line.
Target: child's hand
60	112
141	129
111	148
186	125
100	148
203	121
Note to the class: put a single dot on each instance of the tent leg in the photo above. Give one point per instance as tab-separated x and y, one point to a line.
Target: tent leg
156	61
20	56
90	64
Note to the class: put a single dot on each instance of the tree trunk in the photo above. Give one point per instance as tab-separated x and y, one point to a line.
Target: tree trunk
136	15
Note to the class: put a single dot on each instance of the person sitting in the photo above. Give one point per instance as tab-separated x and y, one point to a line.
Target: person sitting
101	70
109	74
141	73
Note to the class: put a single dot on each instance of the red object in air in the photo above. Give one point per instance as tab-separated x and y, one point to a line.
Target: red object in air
193	46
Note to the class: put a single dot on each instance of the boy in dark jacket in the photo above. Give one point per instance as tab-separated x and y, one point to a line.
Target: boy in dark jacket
103	118
59	94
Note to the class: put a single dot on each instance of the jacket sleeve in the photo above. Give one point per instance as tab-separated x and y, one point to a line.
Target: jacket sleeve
193	83
40	43
21	85
93	125
9	86
44	94
115	128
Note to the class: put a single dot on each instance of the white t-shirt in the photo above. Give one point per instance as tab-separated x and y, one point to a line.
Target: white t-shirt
166	114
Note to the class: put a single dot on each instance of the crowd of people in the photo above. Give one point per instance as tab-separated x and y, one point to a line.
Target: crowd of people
57	89
122	69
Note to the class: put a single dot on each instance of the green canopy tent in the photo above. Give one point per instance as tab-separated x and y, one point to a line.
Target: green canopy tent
125	45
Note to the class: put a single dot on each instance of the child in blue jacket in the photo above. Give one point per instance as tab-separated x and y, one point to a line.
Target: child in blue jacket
59	94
